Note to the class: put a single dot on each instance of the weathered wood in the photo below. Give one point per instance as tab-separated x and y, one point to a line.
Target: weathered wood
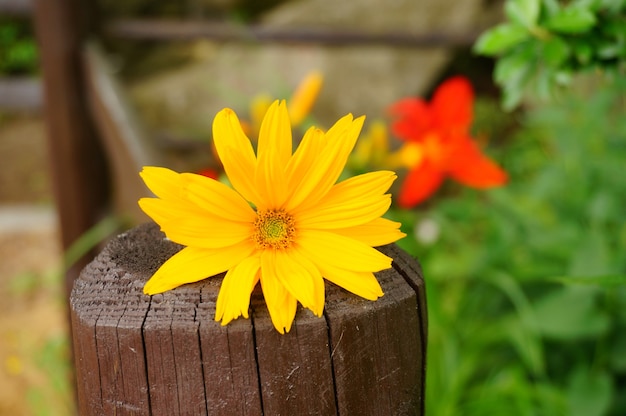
165	354
79	171
128	147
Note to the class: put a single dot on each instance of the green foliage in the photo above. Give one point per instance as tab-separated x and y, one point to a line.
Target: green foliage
18	50
545	42
526	294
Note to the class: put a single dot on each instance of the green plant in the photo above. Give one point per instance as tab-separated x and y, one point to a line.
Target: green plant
525	285
544	43
18	50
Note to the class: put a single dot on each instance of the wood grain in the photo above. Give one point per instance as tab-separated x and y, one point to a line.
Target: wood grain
166	355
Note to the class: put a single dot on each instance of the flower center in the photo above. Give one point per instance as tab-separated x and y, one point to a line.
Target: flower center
273	229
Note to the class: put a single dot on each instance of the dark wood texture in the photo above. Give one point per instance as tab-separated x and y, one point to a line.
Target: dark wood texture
128	147
165	354
79	173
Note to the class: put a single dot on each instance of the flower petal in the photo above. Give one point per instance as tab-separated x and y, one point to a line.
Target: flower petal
301	163
280	303
472	168
304	97
340	251
363	284
163	210
452	105
419	184
163	182
192	264
300	277
236	153
355	201
412	119
274	152
234	297
217	198
329	164
375	233
184	225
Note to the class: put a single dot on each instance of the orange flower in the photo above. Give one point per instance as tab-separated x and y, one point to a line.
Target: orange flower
438	143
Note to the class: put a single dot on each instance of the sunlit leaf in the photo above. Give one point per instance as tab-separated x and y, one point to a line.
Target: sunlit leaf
571	20
500	39
523	12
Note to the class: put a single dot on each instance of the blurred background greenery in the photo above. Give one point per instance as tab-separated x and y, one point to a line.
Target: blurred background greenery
526	283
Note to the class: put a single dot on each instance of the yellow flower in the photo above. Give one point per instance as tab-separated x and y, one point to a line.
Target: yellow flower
285	222
300	103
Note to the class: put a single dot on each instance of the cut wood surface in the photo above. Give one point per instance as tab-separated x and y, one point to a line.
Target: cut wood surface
165	354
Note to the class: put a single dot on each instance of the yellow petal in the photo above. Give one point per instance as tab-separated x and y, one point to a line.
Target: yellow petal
163	182
274	152
341	252
192	264
184	225
304	97
163	210
328	164
301	163
376	233
236	153
363	284
299	276
355	201
217	198
280	303
234	297
258	108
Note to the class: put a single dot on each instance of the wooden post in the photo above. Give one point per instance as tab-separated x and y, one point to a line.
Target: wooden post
77	163
165	355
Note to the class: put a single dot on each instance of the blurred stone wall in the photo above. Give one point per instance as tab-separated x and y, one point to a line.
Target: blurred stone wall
358	79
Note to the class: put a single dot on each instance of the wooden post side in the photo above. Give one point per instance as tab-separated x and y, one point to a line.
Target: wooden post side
187	354
295	368
85	310
165	354
228	360
79	173
376	350
134	383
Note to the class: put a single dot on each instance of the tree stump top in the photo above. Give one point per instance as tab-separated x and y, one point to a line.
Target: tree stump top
165	354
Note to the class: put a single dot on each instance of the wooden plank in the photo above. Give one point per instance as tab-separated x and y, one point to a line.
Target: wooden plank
78	167
295	369
127	145
85	310
376	353
228	359
163	29
21	94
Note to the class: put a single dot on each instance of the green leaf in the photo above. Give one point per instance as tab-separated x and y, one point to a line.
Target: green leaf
570	313
571	20
555	51
605	280
500	39
589	393
523	12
